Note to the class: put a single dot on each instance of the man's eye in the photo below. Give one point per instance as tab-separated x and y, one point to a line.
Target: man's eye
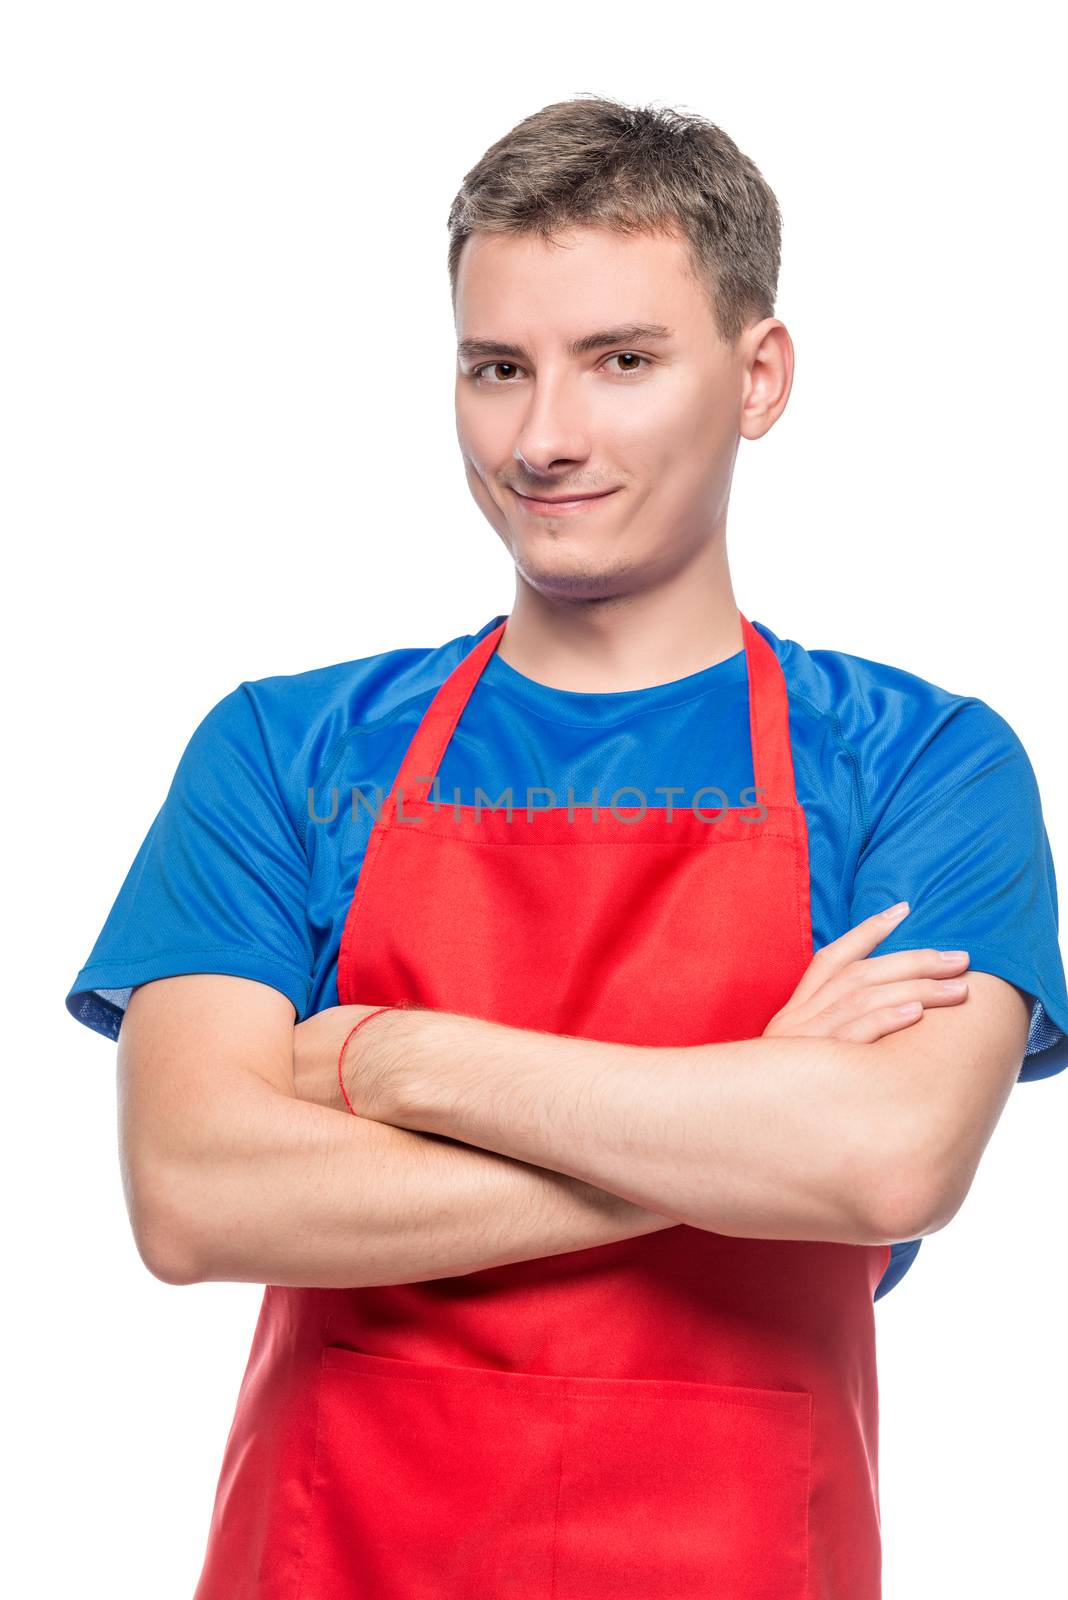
620	355
489	366
628	355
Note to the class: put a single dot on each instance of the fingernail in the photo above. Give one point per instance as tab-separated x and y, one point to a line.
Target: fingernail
898	910
953	955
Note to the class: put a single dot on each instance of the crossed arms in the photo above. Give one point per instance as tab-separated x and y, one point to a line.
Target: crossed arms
479	1145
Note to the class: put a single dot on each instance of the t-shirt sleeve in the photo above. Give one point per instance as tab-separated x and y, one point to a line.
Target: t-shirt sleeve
959	833
220	881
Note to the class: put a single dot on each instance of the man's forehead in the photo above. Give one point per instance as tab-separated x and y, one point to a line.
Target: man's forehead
583	280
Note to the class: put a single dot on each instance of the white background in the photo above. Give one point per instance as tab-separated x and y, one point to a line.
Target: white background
230	452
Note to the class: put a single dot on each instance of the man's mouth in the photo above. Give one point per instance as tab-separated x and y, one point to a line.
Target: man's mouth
559	503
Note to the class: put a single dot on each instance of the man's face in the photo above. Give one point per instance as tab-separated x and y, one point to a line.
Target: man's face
648	423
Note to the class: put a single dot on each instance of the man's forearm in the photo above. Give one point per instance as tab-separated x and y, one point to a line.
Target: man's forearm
762	1138
281	1191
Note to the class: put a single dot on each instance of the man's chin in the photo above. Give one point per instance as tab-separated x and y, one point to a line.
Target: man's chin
574	581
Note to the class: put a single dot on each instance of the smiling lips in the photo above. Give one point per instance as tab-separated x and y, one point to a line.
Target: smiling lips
545	506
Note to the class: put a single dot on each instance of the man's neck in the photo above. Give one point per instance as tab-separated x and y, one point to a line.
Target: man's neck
630	642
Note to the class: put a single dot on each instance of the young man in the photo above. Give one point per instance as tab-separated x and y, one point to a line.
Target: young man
580	1300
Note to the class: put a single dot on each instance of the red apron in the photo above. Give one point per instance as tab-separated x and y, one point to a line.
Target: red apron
679	1416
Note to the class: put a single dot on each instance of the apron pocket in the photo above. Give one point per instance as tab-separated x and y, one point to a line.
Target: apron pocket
673	1490
434	1482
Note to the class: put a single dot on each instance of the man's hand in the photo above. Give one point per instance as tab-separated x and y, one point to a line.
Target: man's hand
842	995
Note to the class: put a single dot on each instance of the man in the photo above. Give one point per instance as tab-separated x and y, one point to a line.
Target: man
577	915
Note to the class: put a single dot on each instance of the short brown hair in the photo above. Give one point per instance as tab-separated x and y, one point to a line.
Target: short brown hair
594	161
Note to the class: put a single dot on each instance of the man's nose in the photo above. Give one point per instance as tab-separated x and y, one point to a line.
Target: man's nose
555	427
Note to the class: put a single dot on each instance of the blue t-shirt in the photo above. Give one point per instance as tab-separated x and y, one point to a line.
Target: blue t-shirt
250	864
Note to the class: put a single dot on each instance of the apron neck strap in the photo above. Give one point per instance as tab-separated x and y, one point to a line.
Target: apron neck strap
769	721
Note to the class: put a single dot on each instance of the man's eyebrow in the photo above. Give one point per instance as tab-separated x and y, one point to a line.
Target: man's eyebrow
627	333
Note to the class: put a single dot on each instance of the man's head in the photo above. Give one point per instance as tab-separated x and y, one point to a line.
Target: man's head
592	218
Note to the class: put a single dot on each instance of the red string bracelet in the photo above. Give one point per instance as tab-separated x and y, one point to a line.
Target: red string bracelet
399	1006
